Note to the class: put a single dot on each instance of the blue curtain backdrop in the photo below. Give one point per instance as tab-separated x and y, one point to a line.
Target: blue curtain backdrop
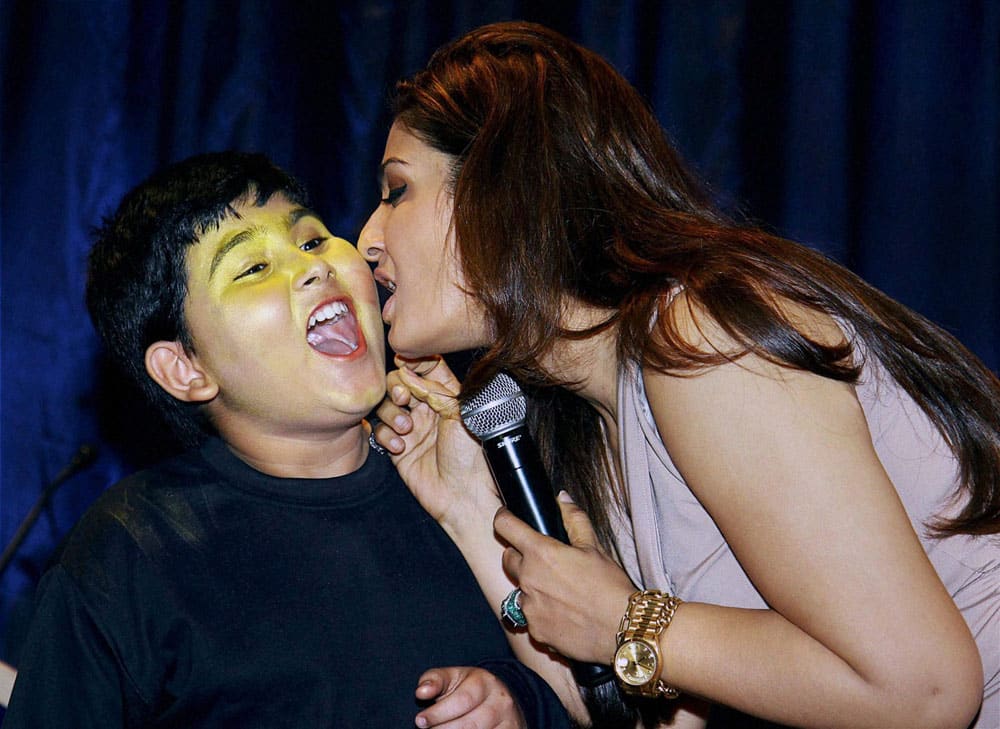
868	130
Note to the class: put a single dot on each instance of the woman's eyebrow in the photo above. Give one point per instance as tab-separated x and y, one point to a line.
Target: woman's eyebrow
386	163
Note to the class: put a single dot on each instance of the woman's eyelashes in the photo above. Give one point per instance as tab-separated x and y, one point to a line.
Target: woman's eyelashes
394	194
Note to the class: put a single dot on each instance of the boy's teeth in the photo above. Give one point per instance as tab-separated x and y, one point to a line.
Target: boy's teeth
331	311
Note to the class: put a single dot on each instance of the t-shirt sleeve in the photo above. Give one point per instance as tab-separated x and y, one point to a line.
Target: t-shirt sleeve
539	704
68	674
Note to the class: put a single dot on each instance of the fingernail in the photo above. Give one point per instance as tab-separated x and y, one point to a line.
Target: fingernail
398	392
564	497
401	421
396	444
421	722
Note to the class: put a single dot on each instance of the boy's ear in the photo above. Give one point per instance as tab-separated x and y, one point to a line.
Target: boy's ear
177	372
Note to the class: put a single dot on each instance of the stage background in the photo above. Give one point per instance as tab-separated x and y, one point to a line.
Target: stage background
868	130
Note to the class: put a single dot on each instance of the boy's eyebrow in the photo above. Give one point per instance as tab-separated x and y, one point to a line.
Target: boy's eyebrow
298	213
247	234
242	237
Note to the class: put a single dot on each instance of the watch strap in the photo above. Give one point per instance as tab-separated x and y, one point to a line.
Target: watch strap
649	613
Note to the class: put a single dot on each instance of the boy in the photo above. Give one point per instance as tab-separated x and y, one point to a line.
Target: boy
279	573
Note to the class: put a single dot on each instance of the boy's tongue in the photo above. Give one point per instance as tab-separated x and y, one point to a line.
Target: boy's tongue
335	337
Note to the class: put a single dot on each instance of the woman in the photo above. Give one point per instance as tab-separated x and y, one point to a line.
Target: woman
805	472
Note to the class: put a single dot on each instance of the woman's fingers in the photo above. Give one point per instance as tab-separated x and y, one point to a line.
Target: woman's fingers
421	366
427	380
431	368
440	397
514	531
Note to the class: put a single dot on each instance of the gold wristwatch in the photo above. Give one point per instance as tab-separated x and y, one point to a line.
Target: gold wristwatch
637	661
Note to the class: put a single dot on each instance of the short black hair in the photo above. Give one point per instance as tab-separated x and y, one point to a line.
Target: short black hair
137	277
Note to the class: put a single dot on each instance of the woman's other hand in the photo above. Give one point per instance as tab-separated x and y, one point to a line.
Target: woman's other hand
573	597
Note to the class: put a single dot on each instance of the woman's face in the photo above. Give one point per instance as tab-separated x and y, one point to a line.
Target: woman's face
409	237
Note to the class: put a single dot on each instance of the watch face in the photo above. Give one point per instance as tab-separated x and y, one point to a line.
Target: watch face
635	663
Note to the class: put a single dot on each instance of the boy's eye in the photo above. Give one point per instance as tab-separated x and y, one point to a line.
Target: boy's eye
394	194
256	268
310	245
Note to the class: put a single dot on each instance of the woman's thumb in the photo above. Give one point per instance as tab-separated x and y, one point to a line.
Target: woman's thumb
578	527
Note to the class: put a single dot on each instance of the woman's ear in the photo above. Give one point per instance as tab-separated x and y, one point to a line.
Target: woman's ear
179	373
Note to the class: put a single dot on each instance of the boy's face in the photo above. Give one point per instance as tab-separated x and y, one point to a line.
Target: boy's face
285	318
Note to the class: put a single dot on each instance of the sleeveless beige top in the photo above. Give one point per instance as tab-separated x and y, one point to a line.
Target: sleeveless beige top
671	543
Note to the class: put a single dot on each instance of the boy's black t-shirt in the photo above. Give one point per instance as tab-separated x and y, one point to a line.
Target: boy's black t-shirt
202	593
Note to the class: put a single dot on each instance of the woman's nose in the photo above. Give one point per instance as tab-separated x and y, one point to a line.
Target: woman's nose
370	243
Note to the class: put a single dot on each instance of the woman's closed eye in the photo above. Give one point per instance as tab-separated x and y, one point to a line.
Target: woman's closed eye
394	194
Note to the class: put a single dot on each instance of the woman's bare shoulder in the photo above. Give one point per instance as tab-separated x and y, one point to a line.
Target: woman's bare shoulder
693	326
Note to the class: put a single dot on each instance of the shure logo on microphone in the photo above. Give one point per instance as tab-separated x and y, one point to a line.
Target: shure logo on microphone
511	440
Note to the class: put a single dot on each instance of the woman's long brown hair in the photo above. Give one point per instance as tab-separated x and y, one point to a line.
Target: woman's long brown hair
566	188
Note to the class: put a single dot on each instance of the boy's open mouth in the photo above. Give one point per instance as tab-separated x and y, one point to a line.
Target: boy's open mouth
333	329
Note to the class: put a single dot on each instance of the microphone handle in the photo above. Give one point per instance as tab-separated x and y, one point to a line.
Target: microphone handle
527	492
523	482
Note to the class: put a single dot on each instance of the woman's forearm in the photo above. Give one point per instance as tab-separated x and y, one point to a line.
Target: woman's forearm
760	663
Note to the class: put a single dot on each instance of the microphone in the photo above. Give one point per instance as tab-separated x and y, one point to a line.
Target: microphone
496	416
83	457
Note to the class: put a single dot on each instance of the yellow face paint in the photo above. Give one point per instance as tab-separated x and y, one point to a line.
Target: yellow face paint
285	318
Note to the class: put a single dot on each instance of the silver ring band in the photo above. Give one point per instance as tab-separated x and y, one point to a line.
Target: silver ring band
374	443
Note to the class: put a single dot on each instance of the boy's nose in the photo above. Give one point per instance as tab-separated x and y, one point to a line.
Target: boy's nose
317	271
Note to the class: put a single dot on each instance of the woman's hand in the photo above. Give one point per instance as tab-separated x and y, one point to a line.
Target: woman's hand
572	596
439	460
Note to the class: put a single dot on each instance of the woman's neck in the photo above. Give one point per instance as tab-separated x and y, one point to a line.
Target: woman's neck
591	362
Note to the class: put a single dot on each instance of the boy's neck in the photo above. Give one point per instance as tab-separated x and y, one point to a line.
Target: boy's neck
295	456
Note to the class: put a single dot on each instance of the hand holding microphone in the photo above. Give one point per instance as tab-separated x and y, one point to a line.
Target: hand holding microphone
496	416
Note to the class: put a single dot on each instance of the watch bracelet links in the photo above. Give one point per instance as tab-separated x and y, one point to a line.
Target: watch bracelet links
654	610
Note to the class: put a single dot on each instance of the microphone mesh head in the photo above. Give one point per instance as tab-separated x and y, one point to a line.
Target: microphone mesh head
499	406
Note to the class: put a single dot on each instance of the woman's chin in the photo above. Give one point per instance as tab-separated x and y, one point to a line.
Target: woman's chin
401	345
412	344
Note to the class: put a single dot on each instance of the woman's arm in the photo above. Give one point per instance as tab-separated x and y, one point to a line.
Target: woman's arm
861	632
861	629
445	469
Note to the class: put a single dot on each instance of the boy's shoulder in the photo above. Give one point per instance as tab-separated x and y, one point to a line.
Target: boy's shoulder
148	486
135	512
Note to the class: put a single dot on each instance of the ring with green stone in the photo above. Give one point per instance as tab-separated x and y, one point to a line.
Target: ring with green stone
510	609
